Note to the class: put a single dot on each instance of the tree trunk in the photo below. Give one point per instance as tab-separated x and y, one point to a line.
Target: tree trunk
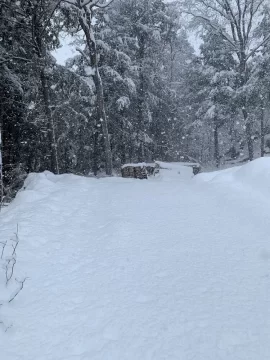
216	145
41	52
262	133
122	141
95	152
1	164
248	135
54	164
247	122
101	112
102	118
141	99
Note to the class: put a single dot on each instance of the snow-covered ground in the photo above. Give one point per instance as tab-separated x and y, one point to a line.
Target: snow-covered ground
172	268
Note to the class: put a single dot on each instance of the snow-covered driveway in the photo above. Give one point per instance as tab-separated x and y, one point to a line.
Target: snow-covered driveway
137	270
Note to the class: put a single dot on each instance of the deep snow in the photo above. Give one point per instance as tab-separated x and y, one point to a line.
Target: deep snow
170	268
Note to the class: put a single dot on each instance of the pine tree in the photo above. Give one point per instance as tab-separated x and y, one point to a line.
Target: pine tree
219	71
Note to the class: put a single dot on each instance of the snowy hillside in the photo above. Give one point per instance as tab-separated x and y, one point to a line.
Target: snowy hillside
120	269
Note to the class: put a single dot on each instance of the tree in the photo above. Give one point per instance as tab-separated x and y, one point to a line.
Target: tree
219	71
237	23
85	12
27	36
260	79
151	37
12	57
44	37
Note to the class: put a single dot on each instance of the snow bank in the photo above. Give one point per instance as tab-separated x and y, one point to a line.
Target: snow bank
39	181
253	175
209	176
36	187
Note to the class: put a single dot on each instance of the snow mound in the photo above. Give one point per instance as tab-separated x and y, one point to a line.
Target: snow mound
39	182
209	176
255	175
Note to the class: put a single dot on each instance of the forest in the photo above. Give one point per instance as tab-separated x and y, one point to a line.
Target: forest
134	179
150	80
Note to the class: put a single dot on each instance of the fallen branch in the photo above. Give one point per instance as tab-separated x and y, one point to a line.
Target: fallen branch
4	244
10	269
11	261
6	327
18	290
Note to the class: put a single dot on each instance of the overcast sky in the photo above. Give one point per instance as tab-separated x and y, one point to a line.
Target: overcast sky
66	51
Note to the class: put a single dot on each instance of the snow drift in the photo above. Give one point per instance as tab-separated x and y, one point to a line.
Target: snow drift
254	175
128	269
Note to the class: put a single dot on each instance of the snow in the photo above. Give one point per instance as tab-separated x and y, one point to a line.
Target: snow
128	269
254	176
123	102
213	175
178	171
89	71
175	165
143	164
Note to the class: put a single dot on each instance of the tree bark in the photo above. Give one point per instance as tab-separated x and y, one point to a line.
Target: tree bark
247	122
54	163
248	135
102	117
1	161
95	152
141	99
216	145
122	141
262	133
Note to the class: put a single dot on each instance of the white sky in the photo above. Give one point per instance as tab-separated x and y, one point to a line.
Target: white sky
68	50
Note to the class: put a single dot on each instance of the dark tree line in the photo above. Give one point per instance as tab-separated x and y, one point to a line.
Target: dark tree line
136	90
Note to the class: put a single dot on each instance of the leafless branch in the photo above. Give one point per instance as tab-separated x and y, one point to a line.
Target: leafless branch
213	26
261	44
16	240
105	5
10	269
89	3
4	244
83	55
4	61
18	290
11	261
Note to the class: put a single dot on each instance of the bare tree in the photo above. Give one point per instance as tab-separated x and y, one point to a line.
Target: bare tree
237	22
